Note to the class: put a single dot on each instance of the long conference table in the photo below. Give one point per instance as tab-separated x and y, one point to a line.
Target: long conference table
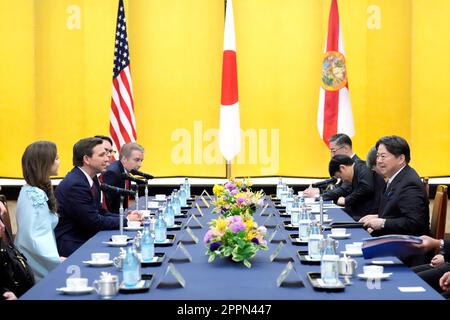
223	279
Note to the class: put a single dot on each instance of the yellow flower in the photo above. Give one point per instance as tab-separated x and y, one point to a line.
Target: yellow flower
221	225
217	189
250	236
249	224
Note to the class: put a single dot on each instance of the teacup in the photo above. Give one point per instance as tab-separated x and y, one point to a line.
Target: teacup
119	238
100	256
160	196
352	248
338	231
134	224
373	270
76	284
153	204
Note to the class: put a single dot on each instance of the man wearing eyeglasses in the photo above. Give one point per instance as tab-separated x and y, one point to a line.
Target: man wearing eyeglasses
340	144
131	156
403	206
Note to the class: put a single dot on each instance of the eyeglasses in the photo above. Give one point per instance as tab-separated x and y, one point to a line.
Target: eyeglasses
110	152
334	150
382	156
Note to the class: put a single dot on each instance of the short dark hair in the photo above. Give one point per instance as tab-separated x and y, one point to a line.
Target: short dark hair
341	139
395	145
106	138
371	159
83	148
338	160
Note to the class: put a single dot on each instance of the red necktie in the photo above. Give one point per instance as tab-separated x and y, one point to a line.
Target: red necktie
104	206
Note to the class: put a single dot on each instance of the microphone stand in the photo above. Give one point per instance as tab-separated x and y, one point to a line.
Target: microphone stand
146	194
121	214
136	197
320	207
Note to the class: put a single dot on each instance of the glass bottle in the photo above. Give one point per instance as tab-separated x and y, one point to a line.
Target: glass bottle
160	228
147	243
329	262
131	267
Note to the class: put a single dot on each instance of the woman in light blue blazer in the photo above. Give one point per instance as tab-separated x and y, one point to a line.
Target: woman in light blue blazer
36	208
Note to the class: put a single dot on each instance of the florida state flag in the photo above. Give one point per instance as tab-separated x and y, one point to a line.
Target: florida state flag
335	112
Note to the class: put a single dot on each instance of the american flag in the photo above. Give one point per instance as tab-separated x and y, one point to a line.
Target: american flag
122	126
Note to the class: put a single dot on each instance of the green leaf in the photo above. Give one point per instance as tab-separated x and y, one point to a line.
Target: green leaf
247	263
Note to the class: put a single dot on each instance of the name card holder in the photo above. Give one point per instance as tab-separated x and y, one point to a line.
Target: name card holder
172	278
289	277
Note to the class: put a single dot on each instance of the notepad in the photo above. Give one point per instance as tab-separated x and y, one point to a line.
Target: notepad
411	289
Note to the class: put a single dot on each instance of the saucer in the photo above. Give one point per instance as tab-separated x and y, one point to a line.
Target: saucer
102	263
133	229
353	253
115	244
375	276
317	210
340	236
66	290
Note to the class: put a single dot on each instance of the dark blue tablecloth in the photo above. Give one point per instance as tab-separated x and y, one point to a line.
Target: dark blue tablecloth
225	280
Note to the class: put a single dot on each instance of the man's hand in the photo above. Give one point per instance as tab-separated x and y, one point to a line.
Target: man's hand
368	217
134	215
8	295
437	260
341	201
2	209
428	244
444	281
311	192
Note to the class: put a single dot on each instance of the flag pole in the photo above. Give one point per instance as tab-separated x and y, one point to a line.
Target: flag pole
228	169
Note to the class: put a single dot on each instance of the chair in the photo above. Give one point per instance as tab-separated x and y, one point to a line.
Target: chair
426	186
6	218
439	213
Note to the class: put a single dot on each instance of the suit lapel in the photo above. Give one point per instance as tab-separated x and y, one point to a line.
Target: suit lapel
390	191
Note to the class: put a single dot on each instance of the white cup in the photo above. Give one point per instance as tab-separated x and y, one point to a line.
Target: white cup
338	231
119	238
373	270
153	204
160	196
76	284
100	256
134	224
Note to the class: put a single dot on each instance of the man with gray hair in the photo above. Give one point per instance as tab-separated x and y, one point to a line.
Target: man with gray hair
131	156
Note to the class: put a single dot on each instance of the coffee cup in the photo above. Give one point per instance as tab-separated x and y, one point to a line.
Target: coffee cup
119	238
160	196
338	231
134	224
76	284
99	256
373	270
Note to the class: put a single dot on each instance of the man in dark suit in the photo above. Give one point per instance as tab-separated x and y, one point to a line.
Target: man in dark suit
403	207
131	156
78	195
339	144
361	200
433	273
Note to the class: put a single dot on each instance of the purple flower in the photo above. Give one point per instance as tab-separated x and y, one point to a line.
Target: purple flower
255	240
244	189
260	202
215	245
237	226
207	236
234	192
230	186
241	199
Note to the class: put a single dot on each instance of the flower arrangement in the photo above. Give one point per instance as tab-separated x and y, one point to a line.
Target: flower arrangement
238	237
235	197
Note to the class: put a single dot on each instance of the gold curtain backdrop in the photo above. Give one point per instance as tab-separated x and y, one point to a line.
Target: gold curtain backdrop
56	71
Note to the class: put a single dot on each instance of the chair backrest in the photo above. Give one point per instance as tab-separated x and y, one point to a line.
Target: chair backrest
439	213
6	218
426	186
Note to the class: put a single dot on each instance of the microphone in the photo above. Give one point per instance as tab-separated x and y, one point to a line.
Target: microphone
324	183
142	174
130	178
125	192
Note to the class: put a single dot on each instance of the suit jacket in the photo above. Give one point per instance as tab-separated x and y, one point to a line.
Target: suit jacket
404	205
361	200
80	212
113	176
342	188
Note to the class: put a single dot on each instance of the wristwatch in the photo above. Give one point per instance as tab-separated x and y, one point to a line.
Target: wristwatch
382	224
441	246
